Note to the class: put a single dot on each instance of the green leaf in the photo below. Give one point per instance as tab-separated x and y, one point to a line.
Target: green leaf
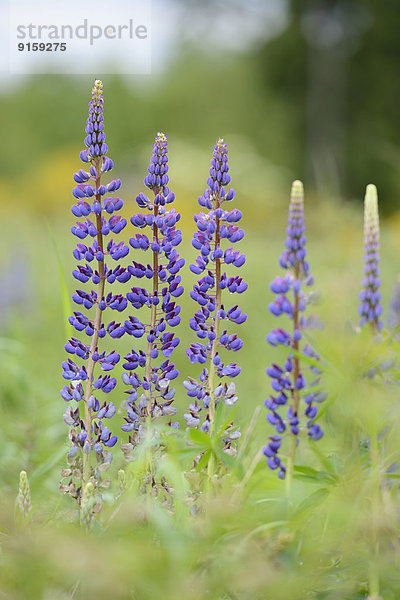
307	471
312	500
221	420
204	460
303	472
330	462
308	359
200	438
225	458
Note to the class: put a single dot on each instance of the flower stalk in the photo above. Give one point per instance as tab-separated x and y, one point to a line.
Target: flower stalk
151	396
370	308
218	305
289	386
96	328
89	434
213	228
153	317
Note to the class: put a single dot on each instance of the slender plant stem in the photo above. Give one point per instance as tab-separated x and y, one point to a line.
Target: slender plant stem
153	317
95	336
214	347
150	346
296	395
249	433
247	476
243	447
374	327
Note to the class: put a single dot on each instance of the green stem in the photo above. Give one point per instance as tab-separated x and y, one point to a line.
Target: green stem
214	347
95	336
290	467
153	317
296	395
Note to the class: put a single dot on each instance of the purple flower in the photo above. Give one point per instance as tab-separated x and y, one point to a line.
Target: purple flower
97	211
370	308
151	392
216	227
288	381
393	317
95	138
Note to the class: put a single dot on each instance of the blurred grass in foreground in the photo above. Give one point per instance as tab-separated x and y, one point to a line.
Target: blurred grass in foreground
249	544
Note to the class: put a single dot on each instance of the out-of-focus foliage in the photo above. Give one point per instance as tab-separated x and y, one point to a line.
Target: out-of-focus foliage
334	69
320	102
247	543
317	101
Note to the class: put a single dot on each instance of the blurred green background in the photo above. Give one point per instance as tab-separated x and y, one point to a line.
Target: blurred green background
303	90
298	89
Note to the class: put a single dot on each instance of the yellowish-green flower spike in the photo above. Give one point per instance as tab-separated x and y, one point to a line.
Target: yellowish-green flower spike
24	494
97	88
121	482
370	308
371	215
87	504
297	192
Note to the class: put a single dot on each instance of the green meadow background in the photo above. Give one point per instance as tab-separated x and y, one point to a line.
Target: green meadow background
318	101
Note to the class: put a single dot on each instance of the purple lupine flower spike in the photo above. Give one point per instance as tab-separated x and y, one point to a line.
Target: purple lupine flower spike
289	386
215	225
393	316
95	141
370	309
150	393
90	432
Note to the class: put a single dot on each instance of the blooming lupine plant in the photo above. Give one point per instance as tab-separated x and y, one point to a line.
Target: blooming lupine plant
210	322
150	394
370	308
290	389
86	415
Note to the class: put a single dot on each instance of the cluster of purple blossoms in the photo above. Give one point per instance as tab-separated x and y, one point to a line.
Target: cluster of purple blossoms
288	381
150	394
370	308
149	372
87	415
213	227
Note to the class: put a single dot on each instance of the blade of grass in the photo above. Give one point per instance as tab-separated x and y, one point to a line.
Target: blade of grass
65	299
